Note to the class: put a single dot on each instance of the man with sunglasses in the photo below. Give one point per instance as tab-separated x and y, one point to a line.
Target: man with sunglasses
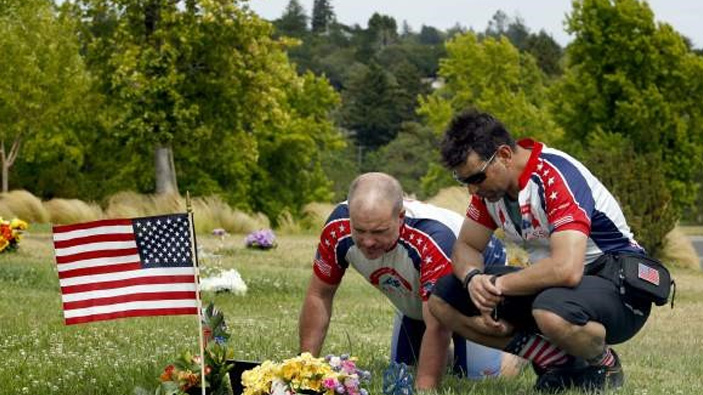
556	312
401	247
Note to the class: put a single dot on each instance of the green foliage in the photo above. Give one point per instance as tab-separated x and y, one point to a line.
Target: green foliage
630	76
43	84
546	51
341	167
294	21
369	107
407	158
211	82
322	16
495	77
639	184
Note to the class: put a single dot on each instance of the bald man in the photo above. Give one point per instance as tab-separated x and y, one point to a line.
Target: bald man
401	247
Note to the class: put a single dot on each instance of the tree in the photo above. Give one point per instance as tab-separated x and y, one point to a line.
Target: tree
322	16
629	76
369	107
294	21
209	82
542	46
495	77
407	157
382	30
42	82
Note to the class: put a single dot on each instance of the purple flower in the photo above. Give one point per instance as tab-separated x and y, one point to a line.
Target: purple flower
219	232
263	239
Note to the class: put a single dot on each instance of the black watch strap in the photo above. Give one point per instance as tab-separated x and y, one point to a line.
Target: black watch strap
469	276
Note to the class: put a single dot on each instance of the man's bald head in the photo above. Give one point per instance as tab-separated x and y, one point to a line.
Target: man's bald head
372	190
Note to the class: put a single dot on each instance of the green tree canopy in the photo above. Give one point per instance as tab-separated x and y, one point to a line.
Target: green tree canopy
322	16
294	21
628	75
43	84
209	81
495	77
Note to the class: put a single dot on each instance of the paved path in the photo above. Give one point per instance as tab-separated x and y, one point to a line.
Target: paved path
698	245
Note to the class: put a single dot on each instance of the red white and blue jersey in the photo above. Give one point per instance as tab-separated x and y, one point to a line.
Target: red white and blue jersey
407	273
558	193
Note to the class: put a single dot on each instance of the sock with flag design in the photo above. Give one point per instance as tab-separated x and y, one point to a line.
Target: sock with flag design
536	349
605	359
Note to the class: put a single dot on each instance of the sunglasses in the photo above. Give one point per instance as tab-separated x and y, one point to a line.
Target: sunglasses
478	177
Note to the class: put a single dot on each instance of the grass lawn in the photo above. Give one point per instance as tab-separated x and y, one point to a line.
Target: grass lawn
45	357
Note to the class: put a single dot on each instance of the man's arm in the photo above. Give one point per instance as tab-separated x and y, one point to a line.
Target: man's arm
467	256
563	268
433	352
315	315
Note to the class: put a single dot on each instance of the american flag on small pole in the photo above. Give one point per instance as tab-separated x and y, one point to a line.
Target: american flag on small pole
118	268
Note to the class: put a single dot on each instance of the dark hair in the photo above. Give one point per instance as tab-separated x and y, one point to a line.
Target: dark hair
472	130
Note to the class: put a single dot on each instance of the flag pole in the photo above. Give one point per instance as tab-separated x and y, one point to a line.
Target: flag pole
199	302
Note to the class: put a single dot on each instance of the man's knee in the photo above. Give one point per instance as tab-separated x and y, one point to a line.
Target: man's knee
552	325
439	308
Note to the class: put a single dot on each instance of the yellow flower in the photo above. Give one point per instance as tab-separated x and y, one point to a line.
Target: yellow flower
18	224
3	244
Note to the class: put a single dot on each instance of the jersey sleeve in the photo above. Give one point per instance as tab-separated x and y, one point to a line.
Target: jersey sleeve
567	197
435	251
478	212
330	264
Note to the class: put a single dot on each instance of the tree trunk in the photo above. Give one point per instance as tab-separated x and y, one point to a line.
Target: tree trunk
8	159
165	171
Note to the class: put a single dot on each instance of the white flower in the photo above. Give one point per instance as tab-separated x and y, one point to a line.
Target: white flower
335	362
228	281
278	387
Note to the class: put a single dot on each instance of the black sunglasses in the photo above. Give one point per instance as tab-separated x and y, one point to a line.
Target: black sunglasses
478	177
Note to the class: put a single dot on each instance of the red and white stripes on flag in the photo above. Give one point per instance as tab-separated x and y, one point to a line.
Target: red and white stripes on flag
120	268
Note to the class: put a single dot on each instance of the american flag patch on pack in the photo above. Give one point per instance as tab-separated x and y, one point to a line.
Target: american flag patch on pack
647	274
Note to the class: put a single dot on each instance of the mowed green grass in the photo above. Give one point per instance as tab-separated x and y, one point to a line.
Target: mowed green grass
42	356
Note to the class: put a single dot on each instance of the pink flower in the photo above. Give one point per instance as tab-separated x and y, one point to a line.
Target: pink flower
330	383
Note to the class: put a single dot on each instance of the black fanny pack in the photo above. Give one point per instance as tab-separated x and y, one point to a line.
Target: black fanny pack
637	276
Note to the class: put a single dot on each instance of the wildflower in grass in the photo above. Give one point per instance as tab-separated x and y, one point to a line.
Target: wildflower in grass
263	239
11	234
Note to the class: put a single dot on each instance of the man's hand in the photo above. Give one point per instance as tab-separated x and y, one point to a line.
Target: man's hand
484	293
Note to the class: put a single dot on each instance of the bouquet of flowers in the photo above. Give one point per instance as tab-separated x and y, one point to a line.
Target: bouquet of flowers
262	239
183	375
306	374
11	234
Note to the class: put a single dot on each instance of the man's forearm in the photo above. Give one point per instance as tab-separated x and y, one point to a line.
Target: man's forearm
464	259
433	358
314	321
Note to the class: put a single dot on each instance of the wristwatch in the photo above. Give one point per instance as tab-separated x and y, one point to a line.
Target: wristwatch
469	276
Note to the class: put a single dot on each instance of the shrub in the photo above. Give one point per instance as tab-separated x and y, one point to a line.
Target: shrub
638	183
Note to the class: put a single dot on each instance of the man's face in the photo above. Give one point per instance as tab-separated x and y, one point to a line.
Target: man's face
375	230
491	185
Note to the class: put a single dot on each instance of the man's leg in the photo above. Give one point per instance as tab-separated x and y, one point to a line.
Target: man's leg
583	321
476	361
406	339
452	306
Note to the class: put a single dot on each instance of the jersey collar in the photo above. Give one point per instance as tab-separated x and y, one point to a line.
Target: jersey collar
536	148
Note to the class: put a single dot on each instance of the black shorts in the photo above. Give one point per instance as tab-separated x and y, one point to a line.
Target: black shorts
594	299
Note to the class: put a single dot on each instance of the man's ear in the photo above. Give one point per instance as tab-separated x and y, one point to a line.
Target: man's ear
401	214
